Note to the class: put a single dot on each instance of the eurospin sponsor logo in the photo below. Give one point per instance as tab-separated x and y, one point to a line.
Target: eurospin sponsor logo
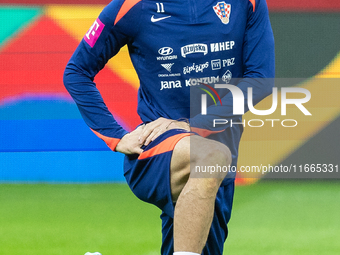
239	101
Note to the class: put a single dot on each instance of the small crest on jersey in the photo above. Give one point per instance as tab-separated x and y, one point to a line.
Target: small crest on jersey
94	32
222	11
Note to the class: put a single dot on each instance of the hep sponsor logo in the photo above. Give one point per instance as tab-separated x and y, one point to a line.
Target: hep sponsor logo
194	48
222	46
239	104
94	32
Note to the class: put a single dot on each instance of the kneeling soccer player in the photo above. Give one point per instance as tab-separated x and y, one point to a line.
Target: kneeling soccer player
178	48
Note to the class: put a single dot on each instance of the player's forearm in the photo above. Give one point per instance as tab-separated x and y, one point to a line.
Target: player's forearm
92	107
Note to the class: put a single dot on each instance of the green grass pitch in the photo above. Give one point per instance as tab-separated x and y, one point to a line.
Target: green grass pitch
276	218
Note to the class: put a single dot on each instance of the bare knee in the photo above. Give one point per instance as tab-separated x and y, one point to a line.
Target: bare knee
195	151
215	153
210	161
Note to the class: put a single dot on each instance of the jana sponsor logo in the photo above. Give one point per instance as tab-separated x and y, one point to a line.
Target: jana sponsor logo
171	84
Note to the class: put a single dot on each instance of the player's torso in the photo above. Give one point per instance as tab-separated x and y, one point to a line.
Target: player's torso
181	44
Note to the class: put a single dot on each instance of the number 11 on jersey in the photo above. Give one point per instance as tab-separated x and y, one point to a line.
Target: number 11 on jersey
160	7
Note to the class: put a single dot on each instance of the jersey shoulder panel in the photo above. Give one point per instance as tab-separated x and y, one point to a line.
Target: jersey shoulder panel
253	2
116	10
127	6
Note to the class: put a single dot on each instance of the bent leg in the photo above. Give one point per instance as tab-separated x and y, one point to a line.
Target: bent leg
195	197
218	230
149	177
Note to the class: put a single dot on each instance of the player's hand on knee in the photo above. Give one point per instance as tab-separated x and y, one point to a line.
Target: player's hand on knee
153	129
129	143
157	127
182	124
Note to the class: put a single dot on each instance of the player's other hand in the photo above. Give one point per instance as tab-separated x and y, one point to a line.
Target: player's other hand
157	127
129	143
